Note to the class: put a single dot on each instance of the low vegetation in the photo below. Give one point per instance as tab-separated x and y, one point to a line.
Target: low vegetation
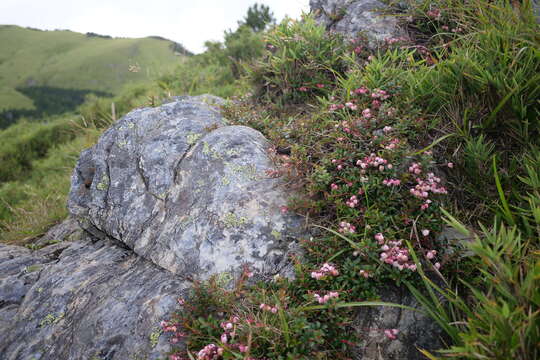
387	148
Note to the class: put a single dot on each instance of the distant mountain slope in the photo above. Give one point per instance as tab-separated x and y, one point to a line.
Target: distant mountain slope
69	60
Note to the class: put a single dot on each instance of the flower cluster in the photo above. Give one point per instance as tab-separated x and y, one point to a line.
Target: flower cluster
210	352
324	299
391	333
373	161
392	144
377	97
324	271
346	228
352	202
265	307
365	273
393	254
391	182
425	186
166	326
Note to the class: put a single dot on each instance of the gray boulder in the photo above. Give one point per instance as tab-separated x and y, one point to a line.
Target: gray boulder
416	329
182	189
351	18
83	300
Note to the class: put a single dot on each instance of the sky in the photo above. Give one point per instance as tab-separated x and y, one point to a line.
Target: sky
190	23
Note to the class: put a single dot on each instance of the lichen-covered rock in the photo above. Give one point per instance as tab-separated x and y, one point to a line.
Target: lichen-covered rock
416	330
83	300
355	17
185	191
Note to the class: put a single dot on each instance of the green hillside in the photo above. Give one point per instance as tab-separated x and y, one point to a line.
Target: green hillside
69	60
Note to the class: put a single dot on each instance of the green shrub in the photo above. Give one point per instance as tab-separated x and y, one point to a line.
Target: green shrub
302	60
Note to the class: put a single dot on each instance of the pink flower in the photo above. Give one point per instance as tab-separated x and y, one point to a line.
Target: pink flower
437	265
366	113
345	227
325	270
352	202
431	254
361	90
434	14
209	352
243	348
324	299
379	237
425	232
334	186
224	338
351	106
320	86
391	333
303	88
364	273
450	165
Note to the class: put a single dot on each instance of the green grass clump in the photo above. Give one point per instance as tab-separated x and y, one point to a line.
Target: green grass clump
488	71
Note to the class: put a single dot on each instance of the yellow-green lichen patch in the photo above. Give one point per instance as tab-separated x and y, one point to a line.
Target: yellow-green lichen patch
249	171
232	221
208	151
154	337
192	138
33	268
50	319
276	234
104	184
232	152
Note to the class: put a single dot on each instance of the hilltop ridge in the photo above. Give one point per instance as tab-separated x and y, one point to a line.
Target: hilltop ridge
69	60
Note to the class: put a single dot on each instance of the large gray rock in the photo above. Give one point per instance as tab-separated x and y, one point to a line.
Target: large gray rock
416	329
355	17
185	191
83	300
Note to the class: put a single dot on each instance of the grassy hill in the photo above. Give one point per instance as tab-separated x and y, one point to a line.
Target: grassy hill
64	59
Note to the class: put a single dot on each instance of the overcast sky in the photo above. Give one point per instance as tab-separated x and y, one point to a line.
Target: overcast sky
188	22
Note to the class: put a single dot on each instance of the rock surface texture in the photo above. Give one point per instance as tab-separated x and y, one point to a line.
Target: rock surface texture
85	299
168	195
371	18
416	330
185	191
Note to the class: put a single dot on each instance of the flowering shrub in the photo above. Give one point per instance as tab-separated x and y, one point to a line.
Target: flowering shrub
302	62
354	134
